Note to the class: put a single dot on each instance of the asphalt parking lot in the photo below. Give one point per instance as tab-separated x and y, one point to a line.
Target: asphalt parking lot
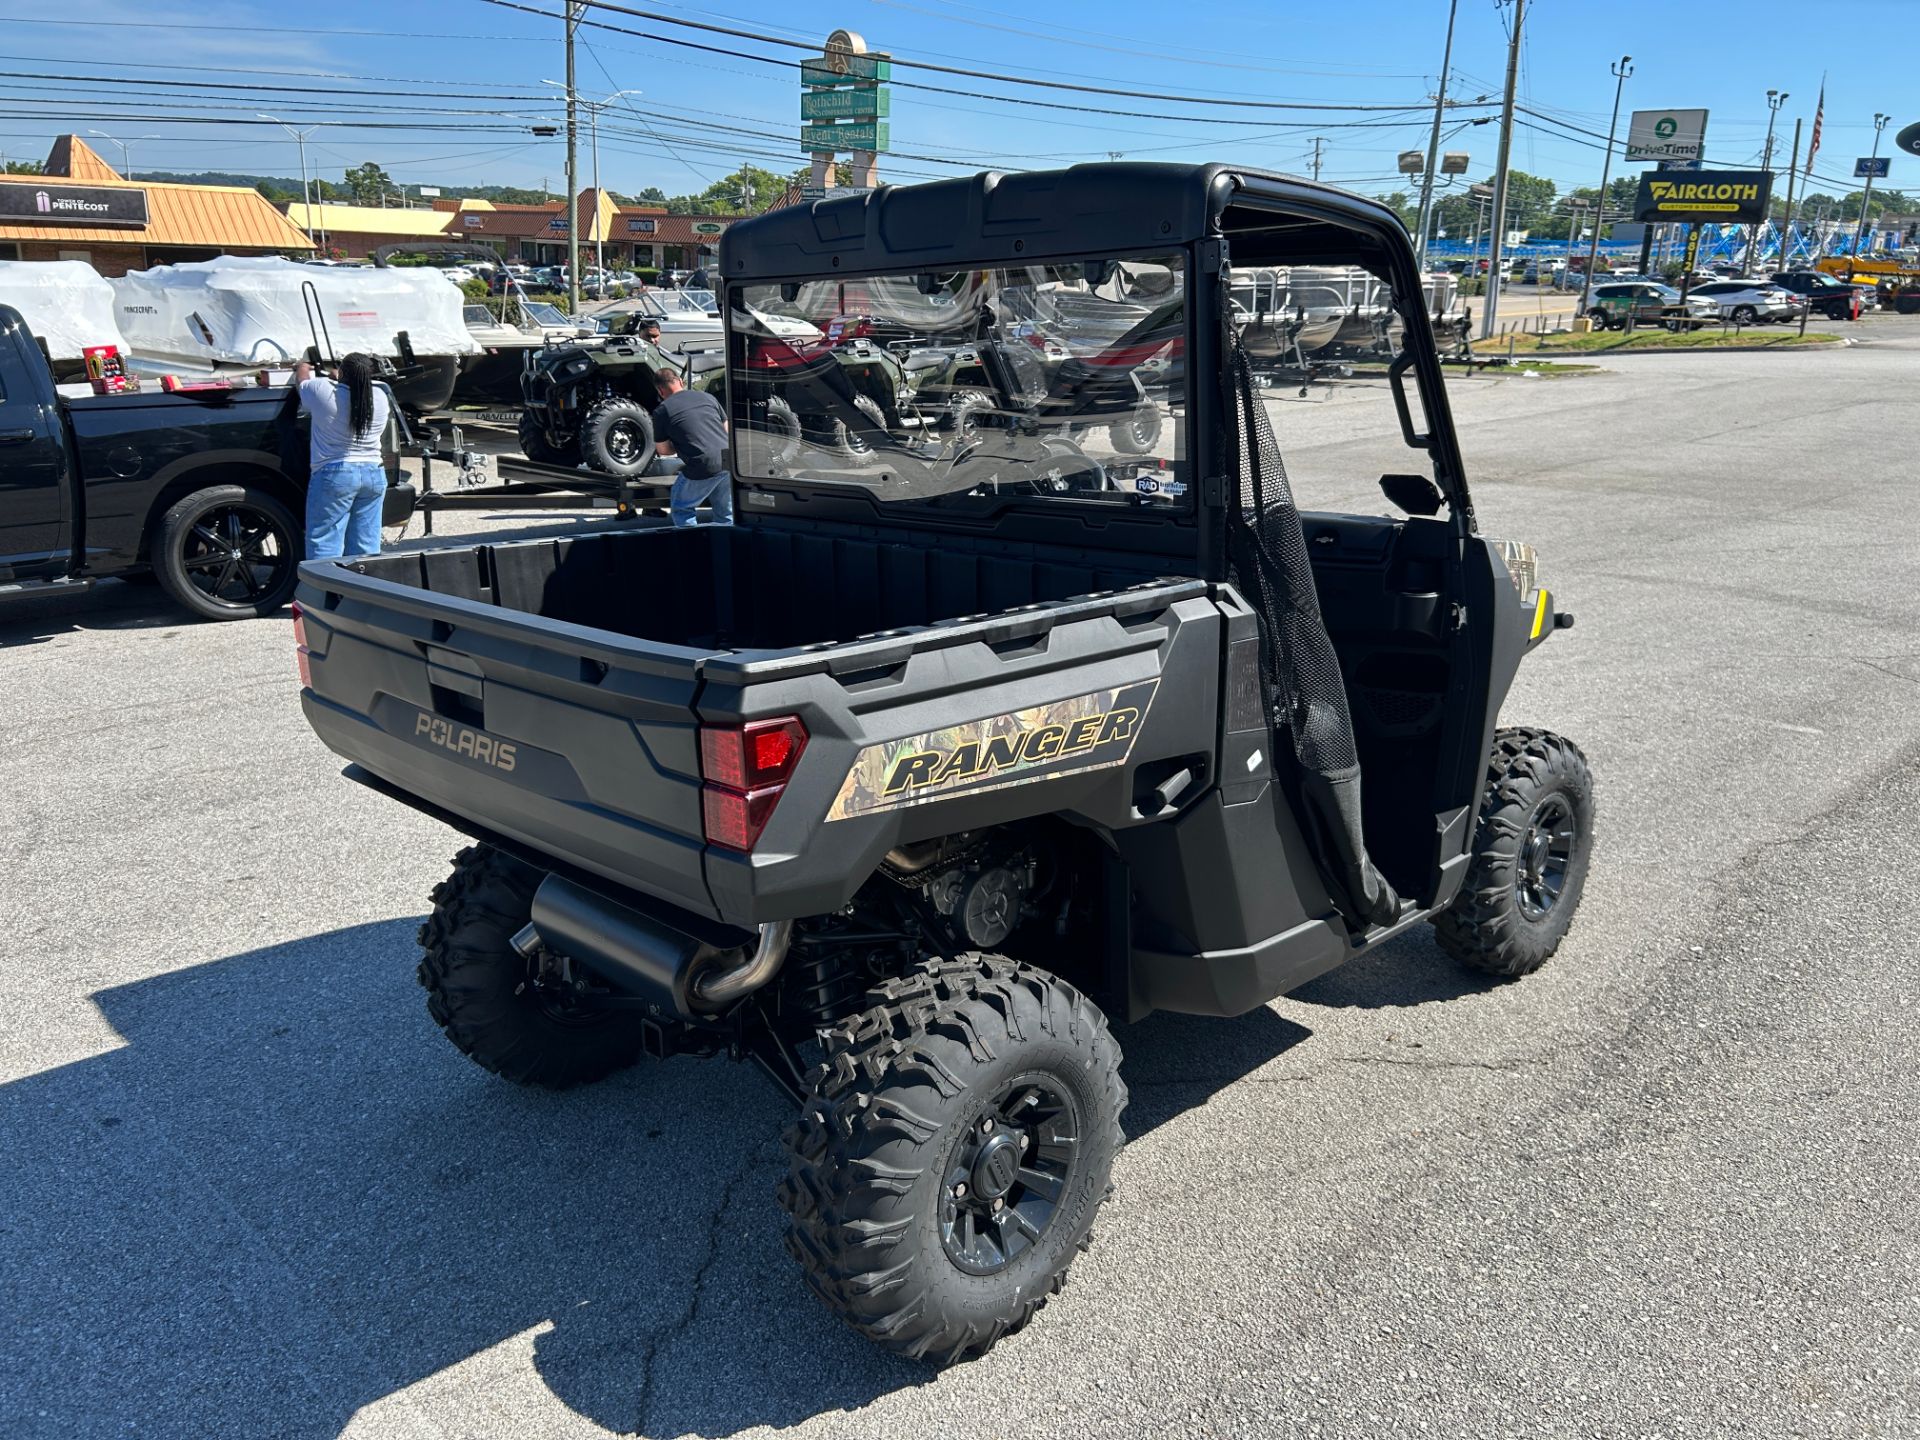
1668	1187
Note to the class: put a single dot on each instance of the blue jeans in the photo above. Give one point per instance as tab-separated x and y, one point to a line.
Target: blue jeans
343	509
717	492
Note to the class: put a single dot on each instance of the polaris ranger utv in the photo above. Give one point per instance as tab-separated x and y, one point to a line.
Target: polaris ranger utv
928	768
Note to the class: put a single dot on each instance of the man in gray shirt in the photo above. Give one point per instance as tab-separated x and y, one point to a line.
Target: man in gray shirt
692	425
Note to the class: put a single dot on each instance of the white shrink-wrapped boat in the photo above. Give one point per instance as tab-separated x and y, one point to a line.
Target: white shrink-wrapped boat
66	305
245	313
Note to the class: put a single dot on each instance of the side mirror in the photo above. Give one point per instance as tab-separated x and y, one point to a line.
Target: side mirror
929	284
1415	494
789	292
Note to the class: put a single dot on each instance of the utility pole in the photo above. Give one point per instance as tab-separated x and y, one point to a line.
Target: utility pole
1620	73
1318	142
573	169
1492	307
1433	141
1786	222
1860	230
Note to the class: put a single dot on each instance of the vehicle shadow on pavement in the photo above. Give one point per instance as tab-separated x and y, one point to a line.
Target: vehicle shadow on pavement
1411	969
110	605
285	1199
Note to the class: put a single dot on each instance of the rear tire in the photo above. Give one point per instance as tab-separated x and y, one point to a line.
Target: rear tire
783	431
616	438
480	990
196	542
1531	849
1744	315
537	448
891	1190
861	443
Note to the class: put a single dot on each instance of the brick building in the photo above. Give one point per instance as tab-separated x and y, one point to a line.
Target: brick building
531	234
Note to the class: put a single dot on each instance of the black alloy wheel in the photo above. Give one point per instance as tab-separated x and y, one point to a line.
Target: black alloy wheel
1007	1173
1531	851
228	552
1546	854
236	555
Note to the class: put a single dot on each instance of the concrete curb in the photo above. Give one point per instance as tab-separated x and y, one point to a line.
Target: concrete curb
1840	344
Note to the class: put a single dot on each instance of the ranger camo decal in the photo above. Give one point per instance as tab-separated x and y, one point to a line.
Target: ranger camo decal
1088	732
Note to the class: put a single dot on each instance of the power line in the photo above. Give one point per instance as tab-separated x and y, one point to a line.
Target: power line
737	33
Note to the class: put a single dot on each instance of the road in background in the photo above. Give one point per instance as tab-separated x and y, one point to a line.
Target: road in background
1667	1186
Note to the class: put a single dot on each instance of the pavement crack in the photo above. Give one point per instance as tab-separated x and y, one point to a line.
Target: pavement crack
1424	1063
695	1291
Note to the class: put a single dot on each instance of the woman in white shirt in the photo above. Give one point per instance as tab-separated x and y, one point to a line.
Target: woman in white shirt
348	476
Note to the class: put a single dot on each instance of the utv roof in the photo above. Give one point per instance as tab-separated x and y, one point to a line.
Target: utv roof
1102	209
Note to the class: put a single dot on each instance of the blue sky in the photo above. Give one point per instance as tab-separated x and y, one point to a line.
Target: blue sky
481	65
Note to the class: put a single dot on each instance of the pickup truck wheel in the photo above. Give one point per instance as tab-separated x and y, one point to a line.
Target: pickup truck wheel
228	552
954	1151
537	448
481	991
616	438
1531	849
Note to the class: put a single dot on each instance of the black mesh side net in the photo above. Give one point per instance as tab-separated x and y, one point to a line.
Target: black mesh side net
1300	676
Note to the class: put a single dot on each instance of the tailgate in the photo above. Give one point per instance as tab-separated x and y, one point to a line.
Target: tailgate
576	742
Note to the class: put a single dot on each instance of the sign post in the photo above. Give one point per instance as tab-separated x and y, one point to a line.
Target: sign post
844	110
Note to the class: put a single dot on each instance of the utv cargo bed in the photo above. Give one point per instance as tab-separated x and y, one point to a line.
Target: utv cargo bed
436	670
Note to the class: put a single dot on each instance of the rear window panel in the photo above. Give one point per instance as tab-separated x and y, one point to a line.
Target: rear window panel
1056	380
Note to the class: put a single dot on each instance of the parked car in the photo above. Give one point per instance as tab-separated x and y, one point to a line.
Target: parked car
1750	302
1617	306
202	490
1832	298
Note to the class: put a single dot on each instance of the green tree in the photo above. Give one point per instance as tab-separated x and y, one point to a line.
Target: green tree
25	167
1406	206
368	183
652	195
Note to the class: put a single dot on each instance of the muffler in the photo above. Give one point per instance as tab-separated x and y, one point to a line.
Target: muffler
696	976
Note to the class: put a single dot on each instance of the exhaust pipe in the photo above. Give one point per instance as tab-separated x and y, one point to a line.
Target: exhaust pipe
639	954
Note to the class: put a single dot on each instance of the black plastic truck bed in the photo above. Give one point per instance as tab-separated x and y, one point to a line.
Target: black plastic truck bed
551	693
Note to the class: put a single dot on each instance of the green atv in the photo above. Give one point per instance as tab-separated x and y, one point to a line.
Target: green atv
592	404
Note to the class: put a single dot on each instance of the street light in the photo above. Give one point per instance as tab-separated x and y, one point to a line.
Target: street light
594	107
1620	74
306	192
1775	99
1860	230
126	150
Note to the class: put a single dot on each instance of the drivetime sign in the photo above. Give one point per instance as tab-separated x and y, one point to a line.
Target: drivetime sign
1666	135
49	204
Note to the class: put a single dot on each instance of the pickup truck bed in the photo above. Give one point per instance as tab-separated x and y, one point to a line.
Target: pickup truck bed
549	693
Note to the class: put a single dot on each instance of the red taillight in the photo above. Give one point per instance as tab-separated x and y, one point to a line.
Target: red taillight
746	767
301	653
736	820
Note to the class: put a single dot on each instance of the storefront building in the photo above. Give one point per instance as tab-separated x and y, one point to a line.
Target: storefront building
629	236
81	208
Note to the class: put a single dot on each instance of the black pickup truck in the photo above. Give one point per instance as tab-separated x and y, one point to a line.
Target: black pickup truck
201	490
947	752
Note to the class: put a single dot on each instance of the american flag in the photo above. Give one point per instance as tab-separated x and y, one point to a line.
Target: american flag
1820	110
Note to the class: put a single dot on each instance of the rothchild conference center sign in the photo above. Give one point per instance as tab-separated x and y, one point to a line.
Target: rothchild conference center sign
73	205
